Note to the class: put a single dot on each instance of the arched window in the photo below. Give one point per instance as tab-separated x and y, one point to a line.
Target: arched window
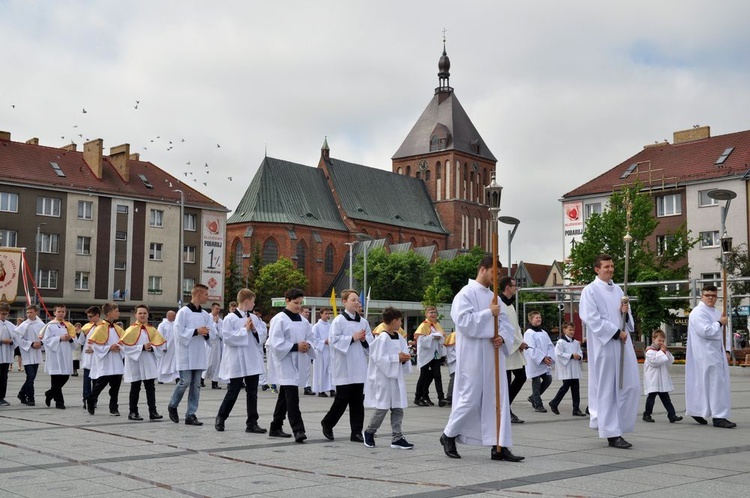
408	170
328	264
270	252
427	175
419	175
398	170
237	251
301	256
438	171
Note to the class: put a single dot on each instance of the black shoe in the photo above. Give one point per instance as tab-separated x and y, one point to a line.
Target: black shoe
619	442
540	409
322	395
278	433
173	416
554	409
84	403
647	418
578	413
449	446
587	411
30	402
134	416
701	420
91	406
265	387
514	419
442	402
723	423
203	383
504	454
48	399
74	374
530	400
215	385
420	402
155	416
333	393
299	437
327	432
192	420
309	392
674	419
114	413
60	406
256	429
219	423
22	398
357	438
428	401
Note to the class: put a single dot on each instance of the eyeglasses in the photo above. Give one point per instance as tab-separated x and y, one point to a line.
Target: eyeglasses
712	296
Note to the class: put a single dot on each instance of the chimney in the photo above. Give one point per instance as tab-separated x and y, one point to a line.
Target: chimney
135	156
92	155
5	135
33	141
71	147
696	133
119	157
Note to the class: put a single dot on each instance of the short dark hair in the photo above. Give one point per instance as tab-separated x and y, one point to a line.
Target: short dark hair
658	333
709	288
293	294
390	314
487	262
93	310
33	307
600	258
107	308
144	306
505	282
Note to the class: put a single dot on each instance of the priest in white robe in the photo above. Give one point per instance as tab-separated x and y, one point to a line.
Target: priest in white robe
613	410
707	387
322	383
168	360
473	414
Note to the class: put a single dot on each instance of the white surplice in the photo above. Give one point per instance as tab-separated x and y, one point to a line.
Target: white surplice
215	352
139	363
348	359
59	354
656	377
540	347
515	359
243	351
287	367
565	366
25	335
105	361
7	330
322	365
168	361
191	348
386	386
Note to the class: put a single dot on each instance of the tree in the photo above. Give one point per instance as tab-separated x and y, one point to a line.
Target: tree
738	265
604	234
253	268
400	276
449	276
274	279
232	281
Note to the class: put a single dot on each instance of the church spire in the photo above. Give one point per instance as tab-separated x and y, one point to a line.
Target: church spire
444	67
325	151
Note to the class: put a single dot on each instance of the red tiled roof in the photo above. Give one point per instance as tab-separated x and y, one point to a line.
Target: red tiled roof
537	272
29	164
672	164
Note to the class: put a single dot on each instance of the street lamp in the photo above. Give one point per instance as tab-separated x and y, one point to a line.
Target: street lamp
363	237
182	247
726	248
509	220
36	264
351	262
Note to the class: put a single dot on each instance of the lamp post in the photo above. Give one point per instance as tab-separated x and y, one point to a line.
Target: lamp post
726	249
351	262
182	247
509	220
36	263
363	237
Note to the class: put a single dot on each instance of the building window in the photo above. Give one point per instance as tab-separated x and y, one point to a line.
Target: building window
301	256
48	206
270	252
47	279
190	222
121	265
710	239
408	170
662	243
154	251
83	246
237	251
434	143
419	175
85	210
49	243
188	254
187	286
8	238
122	209
438	171
705	200
716	277
593	208
328	264
8	202
157	218
427	175
82	281
154	284
669	205
121	235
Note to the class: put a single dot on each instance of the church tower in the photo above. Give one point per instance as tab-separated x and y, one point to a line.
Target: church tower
446	152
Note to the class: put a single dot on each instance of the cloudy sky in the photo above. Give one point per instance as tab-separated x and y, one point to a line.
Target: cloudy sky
560	91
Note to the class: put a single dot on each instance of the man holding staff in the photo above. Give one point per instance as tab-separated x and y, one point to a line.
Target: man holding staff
613	404
473	416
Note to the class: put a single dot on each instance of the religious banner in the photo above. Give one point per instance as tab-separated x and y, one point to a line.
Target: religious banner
10	271
572	224
212	260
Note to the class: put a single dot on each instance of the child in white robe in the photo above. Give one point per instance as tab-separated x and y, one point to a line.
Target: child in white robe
656	379
568	369
540	356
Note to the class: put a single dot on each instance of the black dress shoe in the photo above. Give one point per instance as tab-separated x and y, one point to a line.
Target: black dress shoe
504	454
114	413
48	399
60	406
618	442
134	416
578	413
215	385
155	416
701	420
30	402
420	402
299	437
322	395
22	398
428	401
442	402
540	409
514	419
674	419
723	423
173	416
309	392
256	429
648	418
219	424
91	406
357	438
449	446
327	432
192	420
278	433
554	409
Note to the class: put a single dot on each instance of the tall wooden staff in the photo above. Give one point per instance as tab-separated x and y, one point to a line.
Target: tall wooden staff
625	299
493	192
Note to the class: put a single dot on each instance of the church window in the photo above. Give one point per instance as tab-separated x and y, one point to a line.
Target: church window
398	170
301	256
434	143
427	175
438	171
328	264
408	170
270	252
419	175
237	250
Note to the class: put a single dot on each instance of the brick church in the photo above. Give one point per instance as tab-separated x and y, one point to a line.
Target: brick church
435	207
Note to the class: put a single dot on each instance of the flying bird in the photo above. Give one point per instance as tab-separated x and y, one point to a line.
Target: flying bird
188	163
229	178
206	165
183	140
218	146
205	184
84	111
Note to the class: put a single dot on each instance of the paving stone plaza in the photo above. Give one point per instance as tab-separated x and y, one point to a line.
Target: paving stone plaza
45	452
